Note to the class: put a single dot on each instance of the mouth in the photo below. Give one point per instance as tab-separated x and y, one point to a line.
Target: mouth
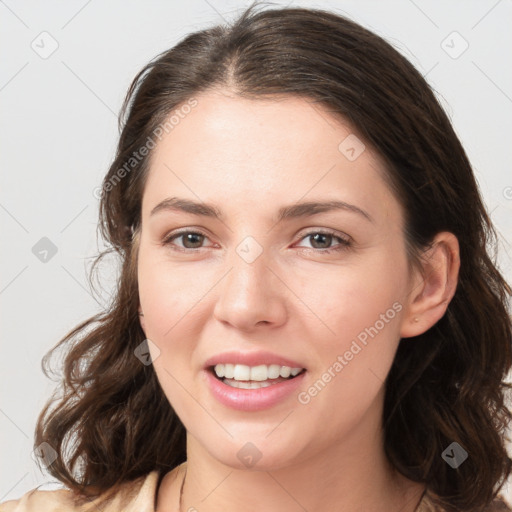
255	377
253	388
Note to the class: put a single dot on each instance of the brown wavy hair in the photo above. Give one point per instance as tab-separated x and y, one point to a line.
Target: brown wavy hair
112	423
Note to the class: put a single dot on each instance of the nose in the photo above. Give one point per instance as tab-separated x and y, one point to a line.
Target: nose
251	295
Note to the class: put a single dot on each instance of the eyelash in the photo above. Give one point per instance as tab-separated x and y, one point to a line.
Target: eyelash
345	243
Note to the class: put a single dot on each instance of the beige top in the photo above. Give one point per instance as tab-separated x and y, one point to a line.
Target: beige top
61	500
144	500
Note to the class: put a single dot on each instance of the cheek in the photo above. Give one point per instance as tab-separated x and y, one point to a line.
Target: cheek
351	366
169	295
353	298
356	324
167	298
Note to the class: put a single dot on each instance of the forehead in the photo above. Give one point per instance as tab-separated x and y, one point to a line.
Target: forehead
247	153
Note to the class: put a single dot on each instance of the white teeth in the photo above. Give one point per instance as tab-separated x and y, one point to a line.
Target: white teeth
285	371
246	385
258	373
220	370
263	372
273	371
229	371
242	372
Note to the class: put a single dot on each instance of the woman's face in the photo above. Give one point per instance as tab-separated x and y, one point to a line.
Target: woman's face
252	281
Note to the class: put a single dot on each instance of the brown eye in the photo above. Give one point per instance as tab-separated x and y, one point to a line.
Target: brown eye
194	239
190	240
322	241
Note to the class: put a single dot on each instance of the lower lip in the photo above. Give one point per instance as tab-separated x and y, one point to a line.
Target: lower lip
252	399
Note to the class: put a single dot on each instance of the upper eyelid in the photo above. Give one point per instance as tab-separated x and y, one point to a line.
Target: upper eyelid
177	234
310	231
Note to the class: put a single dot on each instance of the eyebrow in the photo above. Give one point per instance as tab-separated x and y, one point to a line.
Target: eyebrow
297	210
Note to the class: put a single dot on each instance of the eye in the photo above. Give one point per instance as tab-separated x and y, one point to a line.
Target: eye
321	241
191	240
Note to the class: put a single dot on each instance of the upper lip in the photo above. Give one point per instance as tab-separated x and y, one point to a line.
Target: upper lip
251	359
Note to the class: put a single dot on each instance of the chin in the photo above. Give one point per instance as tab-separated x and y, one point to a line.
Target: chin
254	456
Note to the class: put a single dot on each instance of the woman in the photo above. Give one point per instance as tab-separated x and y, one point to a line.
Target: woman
306	306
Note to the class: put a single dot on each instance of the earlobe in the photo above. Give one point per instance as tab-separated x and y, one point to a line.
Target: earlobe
434	287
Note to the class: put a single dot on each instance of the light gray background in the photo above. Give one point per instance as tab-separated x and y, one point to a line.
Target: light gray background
59	131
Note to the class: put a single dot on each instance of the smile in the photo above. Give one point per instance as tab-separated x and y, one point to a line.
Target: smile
236	386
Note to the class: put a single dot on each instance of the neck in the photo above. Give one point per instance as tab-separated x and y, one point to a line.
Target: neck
291	489
353	474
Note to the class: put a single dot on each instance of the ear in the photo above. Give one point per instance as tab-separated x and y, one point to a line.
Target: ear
432	287
142	321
